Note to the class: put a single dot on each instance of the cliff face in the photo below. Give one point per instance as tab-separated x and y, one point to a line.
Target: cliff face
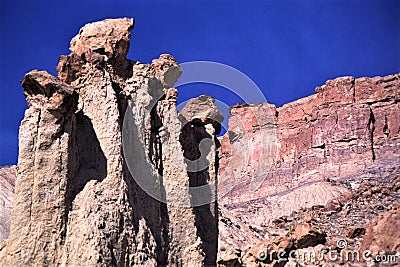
276	161
88	140
350	126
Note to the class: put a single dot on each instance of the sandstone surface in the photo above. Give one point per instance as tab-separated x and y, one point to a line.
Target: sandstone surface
348	130
7	184
366	223
89	142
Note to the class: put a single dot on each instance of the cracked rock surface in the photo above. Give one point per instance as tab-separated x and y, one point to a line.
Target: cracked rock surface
88	139
305	154
7	184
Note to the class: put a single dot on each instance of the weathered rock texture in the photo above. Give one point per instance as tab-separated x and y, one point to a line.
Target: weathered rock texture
350	126
364	220
7	184
275	161
110	174
88	140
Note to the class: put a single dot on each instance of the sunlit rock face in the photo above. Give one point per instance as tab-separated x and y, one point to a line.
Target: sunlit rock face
7	184
276	161
350	126
88	139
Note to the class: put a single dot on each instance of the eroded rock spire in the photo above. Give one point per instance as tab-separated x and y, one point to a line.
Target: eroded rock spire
78	200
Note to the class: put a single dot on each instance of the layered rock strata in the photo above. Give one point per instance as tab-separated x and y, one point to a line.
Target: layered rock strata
357	229
276	160
102	178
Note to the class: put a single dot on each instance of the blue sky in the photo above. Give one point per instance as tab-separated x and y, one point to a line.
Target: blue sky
286	47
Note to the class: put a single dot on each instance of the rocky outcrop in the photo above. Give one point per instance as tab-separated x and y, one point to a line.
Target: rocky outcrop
357	229
40	204
7	184
382	234
347	126
102	174
276	160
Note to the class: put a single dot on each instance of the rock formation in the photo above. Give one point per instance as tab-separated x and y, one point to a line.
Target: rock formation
7	184
111	174
88	141
365	220
275	161
348	128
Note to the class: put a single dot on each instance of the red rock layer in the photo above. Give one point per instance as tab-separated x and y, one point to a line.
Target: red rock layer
349	127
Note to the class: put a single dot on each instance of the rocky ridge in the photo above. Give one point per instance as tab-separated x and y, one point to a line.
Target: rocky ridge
350	125
276	161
